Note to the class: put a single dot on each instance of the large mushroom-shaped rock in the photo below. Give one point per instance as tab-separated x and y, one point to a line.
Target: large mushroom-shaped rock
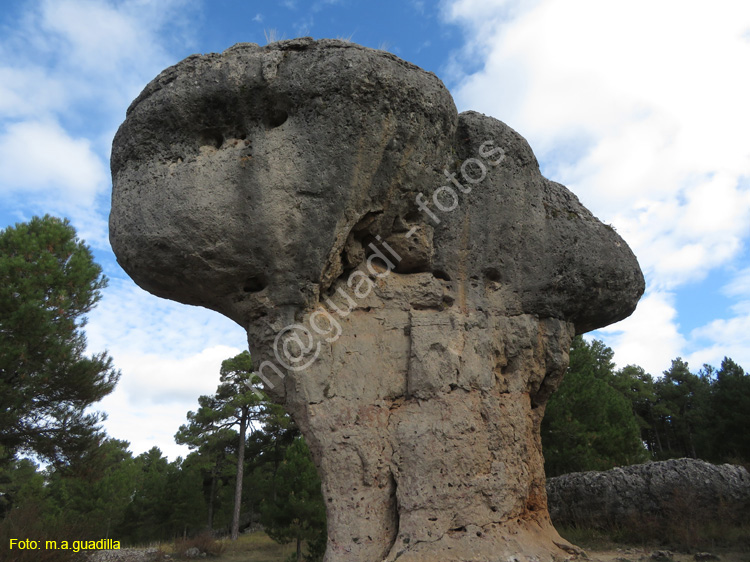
409	281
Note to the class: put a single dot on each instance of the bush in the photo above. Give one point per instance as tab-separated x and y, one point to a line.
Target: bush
205	542
27	522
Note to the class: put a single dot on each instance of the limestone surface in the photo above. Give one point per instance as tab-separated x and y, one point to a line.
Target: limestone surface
409	281
678	488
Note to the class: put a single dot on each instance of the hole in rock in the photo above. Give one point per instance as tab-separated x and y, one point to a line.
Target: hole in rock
255	284
212	137
277	118
492	274
440	274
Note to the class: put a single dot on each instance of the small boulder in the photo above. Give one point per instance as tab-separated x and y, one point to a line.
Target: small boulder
705	557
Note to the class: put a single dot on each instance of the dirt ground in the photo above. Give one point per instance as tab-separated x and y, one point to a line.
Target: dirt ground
652	555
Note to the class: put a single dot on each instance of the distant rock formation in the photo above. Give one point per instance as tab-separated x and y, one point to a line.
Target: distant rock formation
680	488
409	281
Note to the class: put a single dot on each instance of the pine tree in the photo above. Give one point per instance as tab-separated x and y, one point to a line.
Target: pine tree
212	456
730	413
683	401
588	423
637	386
235	404
48	283
297	512
148	513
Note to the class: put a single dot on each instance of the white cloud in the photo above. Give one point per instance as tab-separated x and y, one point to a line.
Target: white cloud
87	55
68	70
98	36
662	116
723	338
726	337
641	109
155	393
168	355
650	337
30	92
41	157
739	286
155	380
132	321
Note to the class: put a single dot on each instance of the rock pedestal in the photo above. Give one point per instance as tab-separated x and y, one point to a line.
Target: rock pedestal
409	281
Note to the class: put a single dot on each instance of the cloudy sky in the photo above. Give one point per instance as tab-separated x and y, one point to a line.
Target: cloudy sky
639	107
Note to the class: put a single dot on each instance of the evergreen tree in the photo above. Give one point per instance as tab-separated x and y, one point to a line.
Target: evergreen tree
184	483
21	484
637	386
147	515
96	490
235	404
730	413
48	283
266	450
213	457
297	513
588	423
682	403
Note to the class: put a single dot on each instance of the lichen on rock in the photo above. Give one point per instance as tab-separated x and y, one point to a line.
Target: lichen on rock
409	281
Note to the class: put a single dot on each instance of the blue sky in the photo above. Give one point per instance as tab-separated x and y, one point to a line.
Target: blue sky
639	107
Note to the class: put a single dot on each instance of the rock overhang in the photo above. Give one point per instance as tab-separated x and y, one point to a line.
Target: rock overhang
253	171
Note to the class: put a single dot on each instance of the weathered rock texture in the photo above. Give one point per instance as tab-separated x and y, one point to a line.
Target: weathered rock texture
305	182
680	490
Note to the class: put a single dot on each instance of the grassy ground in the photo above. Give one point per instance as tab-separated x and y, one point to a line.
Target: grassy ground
256	547
600	545
731	543
251	547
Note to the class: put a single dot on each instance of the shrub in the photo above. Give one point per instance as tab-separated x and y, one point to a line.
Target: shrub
27	522
205	542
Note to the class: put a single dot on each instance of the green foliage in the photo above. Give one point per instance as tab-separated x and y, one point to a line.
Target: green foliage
235	404
730	413
589	423
32	520
21	484
147	512
95	492
224	410
680	411
637	386
598	418
48	283
297	512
